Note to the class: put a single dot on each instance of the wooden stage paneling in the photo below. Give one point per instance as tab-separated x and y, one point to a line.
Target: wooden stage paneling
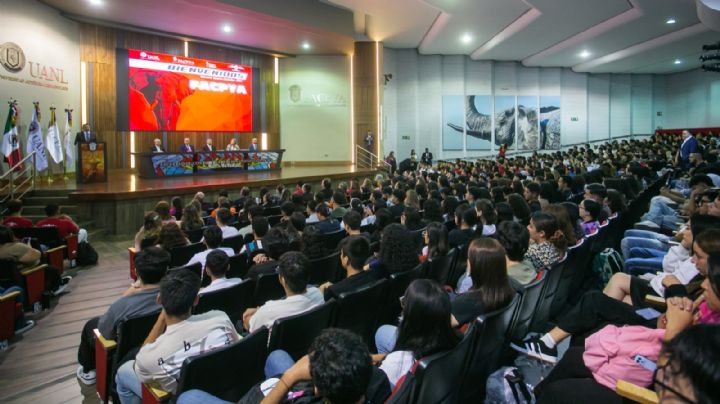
119	204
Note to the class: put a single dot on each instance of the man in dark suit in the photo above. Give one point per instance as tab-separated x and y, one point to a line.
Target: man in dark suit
208	146
86	135
427	157
186	147
157	146
253	145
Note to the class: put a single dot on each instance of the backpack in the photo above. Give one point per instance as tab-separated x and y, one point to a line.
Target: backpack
605	264
86	254
506	385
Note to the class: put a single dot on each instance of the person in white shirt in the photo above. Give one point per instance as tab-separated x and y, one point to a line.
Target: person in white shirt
217	265
212	237
293	269
175	337
232	146
222	219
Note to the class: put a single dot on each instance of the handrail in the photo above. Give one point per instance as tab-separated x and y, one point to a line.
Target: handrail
9	191
368	159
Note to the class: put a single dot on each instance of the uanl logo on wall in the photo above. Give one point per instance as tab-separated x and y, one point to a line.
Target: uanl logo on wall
310	99
13	60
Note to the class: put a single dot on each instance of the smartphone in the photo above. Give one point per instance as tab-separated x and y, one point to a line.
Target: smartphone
648	313
645	362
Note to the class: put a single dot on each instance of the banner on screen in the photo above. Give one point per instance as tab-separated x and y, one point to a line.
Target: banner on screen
174	93
171	164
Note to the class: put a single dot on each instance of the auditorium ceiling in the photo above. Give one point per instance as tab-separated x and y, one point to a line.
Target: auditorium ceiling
618	36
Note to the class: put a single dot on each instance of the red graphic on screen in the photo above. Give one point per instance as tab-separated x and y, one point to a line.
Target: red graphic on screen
173	93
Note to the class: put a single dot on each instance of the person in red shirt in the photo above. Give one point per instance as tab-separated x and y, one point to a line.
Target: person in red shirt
64	224
14	218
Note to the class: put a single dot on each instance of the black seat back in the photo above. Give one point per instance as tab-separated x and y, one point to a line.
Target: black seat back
438	268
294	334
324	269
487	349
49	235
181	255
274	220
358	311
268	287
272	211
195	235
459	266
397	284
238	266
541	317
234	242
333	239
148	242
227	372
530	298
131	334
441	375
233	300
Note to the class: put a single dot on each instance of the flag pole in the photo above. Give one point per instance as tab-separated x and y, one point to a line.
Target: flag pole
50	178
68	117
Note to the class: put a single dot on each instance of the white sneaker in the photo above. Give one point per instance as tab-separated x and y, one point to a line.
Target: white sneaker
60	290
85	378
28	325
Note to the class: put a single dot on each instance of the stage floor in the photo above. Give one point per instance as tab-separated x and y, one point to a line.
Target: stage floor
126	185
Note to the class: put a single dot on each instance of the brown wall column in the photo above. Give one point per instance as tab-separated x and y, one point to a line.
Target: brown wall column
368	95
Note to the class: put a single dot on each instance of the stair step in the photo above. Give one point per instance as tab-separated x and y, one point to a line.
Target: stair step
38	210
44	200
52	192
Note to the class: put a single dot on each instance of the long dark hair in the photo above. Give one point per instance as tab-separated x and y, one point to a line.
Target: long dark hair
398	249
520	207
425	327
488	271
549	224
437	239
694	356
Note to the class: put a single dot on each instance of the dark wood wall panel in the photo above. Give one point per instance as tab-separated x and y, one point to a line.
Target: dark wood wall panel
97	49
365	86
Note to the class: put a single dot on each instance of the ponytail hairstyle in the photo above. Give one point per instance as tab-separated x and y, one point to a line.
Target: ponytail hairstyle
547	223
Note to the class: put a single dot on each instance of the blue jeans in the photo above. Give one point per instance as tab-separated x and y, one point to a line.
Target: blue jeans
129	388
661	214
644	260
643	238
199	396
385	338
277	363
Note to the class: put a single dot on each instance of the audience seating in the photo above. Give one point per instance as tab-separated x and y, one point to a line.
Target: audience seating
8	312
458	267
238	266
541	317
268	287
234	242
438	267
359	311
368	228
578	270
272	211
110	354
31	280
333	239
227	372
274	220
294	334
233	300
56	251
530	297
635	393
324	269
397	284
195	235
181	255
486	354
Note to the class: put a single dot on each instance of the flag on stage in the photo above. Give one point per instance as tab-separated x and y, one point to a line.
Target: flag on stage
11	142
68	140
52	139
35	140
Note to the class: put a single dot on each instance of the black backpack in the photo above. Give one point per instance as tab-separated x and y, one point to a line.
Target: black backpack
86	254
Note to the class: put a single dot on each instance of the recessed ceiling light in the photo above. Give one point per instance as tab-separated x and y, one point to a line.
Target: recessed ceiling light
305	45
96	2
677	61
670	21
227	28
584	54
466	38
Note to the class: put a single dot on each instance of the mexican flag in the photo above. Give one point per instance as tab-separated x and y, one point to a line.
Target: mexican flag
35	140
11	141
68	141
52	140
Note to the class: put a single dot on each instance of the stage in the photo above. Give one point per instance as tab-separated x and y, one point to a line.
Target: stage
118	205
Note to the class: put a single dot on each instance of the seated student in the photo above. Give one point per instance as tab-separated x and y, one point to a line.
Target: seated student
336	204
176	335
485	211
589	214
547	241
64	223
326	224
292	268
338	368
217	264
491	288
14	218
27	257
152	223
260	228
286	209
398	252
435	241
253	210
212	237
223	219
21	323
313	244
139	300
466	222
354	251
311	214
171	236
398	206
223	202
424	330
412	219
351	223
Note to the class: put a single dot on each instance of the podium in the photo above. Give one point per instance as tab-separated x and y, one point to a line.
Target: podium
91	166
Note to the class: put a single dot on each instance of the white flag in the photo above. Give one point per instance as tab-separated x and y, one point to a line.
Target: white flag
68	140
52	139
35	142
